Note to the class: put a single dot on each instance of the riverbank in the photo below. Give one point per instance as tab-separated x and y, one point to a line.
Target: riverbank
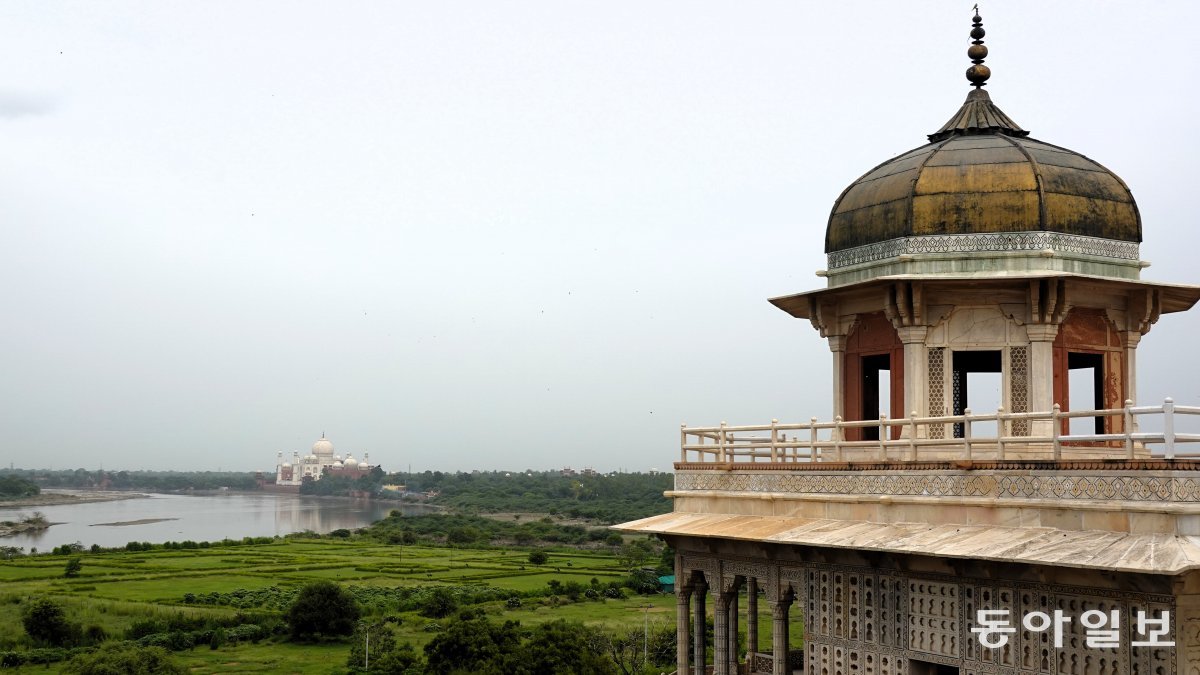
54	498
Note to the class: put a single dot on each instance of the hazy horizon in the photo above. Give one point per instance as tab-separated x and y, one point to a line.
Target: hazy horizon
498	236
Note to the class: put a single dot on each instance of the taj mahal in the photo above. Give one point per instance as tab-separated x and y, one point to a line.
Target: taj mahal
320	460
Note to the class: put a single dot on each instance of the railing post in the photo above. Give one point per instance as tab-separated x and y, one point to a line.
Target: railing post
837	438
812	440
967	432
1001	432
683	443
721	444
774	441
1169	426
883	431
912	435
1128	426
1054	432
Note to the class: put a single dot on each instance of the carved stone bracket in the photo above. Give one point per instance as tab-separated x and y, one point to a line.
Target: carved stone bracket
1048	302
904	304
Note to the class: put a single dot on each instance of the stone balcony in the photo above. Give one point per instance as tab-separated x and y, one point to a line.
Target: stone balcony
1127	501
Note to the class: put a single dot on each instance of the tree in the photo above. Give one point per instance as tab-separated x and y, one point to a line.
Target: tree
636	553
439	602
46	622
538	557
373	649
74	566
126	659
475	645
562	647
322	608
629	648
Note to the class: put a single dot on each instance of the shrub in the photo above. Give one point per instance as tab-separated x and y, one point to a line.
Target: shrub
438	603
144	627
73	568
322	608
127	659
46	622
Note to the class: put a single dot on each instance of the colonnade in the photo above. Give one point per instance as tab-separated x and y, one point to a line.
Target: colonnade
690	607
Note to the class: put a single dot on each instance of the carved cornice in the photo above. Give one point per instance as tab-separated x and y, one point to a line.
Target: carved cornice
1005	242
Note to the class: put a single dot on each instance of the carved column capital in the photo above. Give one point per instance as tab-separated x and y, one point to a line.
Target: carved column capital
1042	332
837	343
912	334
779	610
1130	339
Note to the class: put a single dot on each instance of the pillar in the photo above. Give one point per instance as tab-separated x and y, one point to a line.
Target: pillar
698	629
721	635
751	615
733	631
1130	340
837	345
683	596
916	373
1041	374
780	636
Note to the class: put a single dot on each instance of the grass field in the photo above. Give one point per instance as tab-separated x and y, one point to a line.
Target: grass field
117	589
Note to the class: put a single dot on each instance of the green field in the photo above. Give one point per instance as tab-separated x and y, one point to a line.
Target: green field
117	589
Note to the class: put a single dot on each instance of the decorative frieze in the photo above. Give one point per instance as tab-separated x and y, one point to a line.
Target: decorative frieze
1001	242
1123	486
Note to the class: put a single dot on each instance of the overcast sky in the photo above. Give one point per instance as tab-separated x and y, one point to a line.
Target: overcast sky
510	235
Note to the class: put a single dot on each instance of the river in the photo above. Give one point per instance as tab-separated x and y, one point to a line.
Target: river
198	518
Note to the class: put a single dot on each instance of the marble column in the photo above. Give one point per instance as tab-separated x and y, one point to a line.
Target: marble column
751	615
837	345
916	374
780	636
721	635
733	631
1130	340
698	629
683	597
1041	375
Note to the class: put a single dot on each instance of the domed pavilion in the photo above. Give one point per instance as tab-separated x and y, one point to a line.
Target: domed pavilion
1052	528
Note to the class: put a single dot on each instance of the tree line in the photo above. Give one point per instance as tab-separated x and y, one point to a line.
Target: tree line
150	481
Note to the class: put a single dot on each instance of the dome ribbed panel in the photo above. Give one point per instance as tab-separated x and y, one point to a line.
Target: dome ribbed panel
983	183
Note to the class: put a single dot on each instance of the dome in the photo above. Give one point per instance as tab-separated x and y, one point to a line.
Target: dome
323	446
287	465
978	182
350	462
981	175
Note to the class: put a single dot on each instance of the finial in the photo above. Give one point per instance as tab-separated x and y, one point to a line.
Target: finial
978	74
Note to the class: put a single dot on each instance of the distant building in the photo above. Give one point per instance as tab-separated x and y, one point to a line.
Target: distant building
320	461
